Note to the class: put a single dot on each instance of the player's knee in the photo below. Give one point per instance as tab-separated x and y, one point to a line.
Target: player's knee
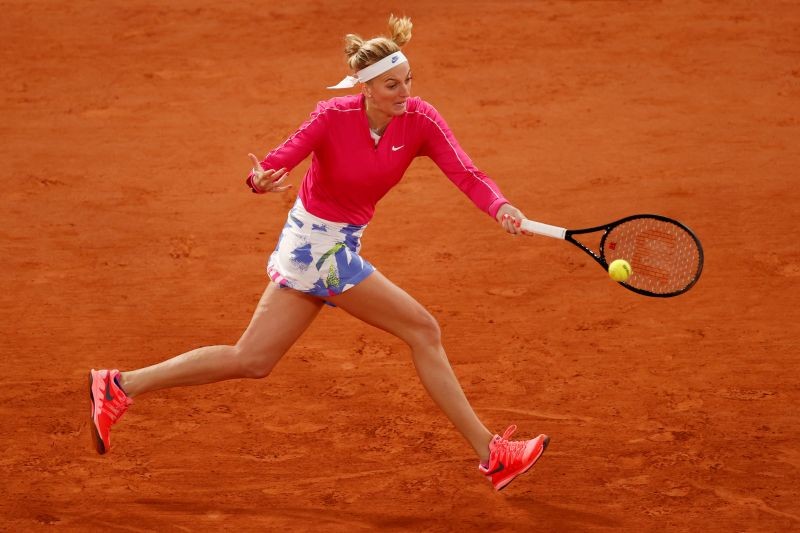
255	363
425	330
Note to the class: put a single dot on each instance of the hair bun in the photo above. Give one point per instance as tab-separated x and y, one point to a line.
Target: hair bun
352	44
361	53
400	29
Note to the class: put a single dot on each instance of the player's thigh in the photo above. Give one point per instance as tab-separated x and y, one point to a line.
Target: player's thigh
282	315
381	303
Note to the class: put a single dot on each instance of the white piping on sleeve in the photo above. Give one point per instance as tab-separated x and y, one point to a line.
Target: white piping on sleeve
310	122
496	196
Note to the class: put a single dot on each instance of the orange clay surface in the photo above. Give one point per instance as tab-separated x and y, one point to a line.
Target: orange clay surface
128	236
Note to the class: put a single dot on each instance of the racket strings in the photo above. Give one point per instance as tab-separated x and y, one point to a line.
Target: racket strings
664	257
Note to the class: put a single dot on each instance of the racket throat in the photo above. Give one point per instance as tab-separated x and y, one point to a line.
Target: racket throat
589	244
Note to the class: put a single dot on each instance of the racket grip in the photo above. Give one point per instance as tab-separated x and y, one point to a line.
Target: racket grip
544	229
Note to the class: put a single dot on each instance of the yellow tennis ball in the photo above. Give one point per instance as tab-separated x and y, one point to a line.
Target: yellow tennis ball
620	270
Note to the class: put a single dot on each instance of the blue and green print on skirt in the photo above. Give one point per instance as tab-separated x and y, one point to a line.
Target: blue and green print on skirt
317	256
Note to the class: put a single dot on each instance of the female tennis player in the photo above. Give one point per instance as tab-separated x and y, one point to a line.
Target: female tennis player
361	145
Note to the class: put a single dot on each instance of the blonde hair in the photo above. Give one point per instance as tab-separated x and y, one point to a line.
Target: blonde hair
361	53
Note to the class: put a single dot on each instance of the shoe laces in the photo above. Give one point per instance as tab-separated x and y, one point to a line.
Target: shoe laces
510	449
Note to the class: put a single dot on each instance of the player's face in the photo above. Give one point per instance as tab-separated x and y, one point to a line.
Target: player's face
389	91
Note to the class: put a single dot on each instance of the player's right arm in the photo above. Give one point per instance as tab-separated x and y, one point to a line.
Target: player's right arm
268	174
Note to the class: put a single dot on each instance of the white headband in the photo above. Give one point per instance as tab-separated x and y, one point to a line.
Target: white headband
372	71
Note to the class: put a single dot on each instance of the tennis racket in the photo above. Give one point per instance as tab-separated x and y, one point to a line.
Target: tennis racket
666	257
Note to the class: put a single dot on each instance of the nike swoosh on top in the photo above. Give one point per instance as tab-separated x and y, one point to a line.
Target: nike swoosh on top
396	148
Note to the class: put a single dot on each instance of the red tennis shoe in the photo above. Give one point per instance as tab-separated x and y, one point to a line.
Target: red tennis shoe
509	459
109	403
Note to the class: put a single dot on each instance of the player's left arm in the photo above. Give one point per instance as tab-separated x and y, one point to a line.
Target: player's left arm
444	149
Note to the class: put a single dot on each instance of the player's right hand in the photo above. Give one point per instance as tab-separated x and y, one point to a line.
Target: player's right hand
268	180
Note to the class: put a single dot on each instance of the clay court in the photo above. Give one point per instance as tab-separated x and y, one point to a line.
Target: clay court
128	236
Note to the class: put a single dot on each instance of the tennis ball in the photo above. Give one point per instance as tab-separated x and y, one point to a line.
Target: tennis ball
619	270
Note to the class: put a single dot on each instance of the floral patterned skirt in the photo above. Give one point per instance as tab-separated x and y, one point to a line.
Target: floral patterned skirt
317	256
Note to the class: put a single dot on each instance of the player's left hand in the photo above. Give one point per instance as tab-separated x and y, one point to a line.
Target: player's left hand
510	219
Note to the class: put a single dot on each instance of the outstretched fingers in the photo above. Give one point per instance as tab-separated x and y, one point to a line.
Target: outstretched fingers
277	185
268	180
256	162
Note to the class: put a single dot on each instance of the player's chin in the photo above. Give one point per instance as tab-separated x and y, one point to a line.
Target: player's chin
398	108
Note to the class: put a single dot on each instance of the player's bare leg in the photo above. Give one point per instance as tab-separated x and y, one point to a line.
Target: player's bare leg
381	303
281	317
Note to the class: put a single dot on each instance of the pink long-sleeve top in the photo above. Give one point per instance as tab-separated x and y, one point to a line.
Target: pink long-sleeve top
349	173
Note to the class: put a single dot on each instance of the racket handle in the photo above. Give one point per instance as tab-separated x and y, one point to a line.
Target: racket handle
544	229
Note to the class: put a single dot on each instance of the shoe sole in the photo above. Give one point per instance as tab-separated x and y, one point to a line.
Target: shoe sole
96	439
544	447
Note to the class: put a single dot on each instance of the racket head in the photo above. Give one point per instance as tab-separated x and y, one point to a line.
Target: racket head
665	255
